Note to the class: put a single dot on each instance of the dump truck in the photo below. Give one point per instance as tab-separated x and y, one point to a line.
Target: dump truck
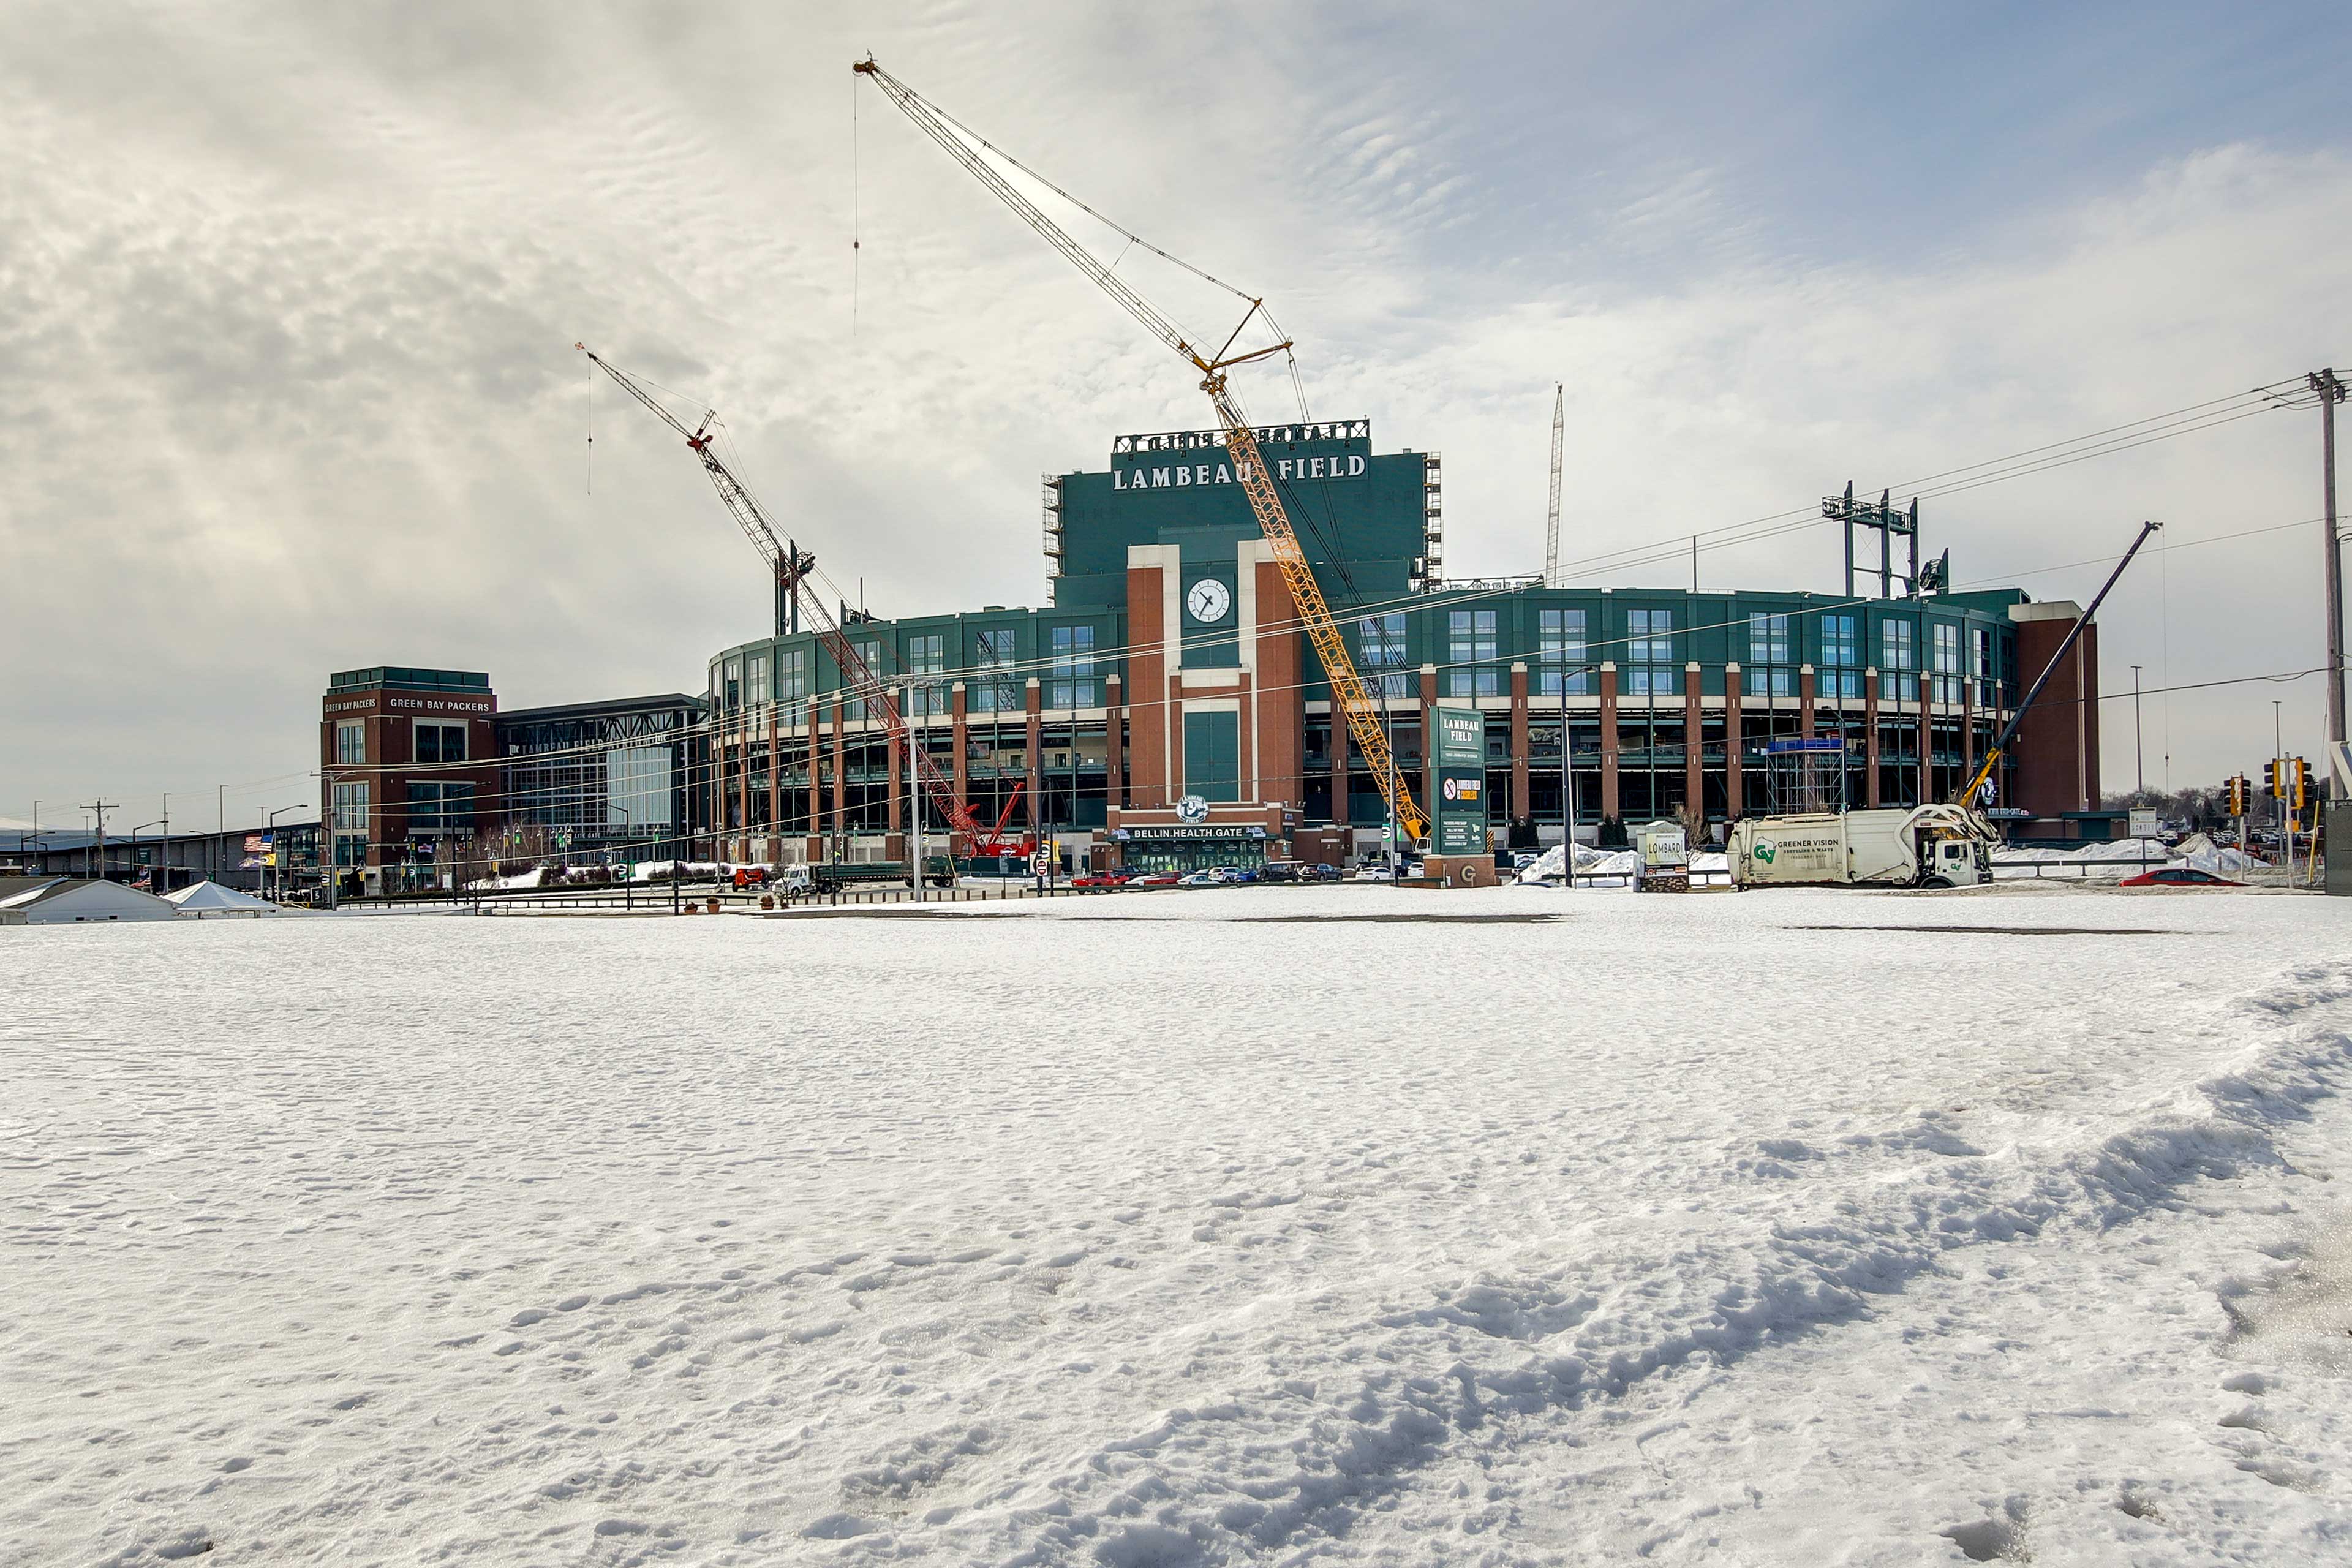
1924	847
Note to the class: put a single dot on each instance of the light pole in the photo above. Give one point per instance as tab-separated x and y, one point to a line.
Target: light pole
134	846
2139	757
269	838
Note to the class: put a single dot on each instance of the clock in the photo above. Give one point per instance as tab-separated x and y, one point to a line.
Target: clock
1209	600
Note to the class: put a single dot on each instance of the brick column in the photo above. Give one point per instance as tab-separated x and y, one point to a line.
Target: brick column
1926	749
1805	697
1871	740
1428	791
899	779
1520	811
959	732
1967	728
840	772
1609	738
1033	697
743	785
1734	772
1694	782
1340	739
775	787
1114	746
815	771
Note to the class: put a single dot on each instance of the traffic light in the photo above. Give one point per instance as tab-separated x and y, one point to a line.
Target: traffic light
2238	794
2271	781
2302	783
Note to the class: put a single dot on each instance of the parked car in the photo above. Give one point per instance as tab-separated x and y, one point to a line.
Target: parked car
2178	877
1154	879
1316	871
1206	876
1241	875
1100	879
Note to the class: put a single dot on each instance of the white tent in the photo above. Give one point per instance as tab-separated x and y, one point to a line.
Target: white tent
69	900
208	899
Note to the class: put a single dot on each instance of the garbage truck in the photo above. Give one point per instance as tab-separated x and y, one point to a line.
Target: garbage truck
1924	847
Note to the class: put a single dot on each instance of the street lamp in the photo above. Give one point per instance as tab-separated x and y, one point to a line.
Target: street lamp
270	831
134	842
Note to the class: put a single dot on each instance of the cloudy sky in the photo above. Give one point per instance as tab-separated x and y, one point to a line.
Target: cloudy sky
288	295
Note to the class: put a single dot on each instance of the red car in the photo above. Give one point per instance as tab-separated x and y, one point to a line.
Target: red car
2178	877
1100	879
1155	879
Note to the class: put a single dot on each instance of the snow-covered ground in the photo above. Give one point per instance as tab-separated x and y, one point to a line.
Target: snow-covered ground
1282	1224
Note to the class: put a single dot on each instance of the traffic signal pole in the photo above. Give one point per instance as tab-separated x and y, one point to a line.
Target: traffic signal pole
2330	389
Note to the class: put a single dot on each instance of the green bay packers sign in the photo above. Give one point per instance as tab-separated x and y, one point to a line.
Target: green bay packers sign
1460	808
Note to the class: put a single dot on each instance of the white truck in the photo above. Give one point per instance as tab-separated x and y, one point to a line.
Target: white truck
1924	847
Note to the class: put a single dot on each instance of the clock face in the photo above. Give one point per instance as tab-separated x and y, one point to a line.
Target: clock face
1209	600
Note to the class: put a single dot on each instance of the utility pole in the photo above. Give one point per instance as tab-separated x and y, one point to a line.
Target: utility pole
98	853
2139	754
165	865
2330	390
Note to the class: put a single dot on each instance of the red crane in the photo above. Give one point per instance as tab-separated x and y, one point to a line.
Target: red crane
791	567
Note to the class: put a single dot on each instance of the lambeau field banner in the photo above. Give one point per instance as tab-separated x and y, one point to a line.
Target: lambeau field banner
1460	809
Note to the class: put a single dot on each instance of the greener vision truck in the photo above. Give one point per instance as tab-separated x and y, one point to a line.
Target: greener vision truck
1925	847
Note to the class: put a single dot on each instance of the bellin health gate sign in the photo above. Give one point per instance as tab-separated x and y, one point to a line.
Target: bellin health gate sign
1461	804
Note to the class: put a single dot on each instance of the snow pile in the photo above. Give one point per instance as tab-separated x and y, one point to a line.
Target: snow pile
883	1239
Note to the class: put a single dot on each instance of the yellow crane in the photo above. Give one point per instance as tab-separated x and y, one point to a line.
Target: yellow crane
1350	695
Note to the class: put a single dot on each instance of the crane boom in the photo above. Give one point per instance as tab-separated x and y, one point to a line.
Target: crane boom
1350	693
1551	527
791	567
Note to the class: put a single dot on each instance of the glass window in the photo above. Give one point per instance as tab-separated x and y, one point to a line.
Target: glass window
756	690
792	675
1947	662
731	697
350	808
1561	653
440	742
993	651
1980	664
1469	650
1380	642
1897	659
350	743
867	651
1650	652
1768	656
1073	685
927	655
1841	657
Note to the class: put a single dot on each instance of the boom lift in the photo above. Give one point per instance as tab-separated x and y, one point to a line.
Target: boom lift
1349	694
792	568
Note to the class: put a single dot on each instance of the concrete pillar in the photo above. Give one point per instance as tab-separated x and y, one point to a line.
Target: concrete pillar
1694	781
1609	738
1032	698
743	785
1871	738
1806	693
1927	747
1735	771
1520	810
